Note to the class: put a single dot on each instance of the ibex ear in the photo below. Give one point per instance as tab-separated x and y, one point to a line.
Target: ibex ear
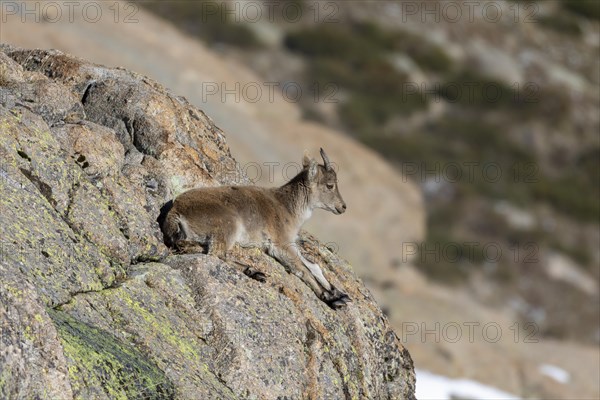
306	159
312	169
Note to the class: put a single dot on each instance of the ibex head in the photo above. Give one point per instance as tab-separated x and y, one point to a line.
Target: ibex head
323	184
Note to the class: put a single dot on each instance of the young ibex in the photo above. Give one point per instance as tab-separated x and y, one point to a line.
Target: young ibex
268	218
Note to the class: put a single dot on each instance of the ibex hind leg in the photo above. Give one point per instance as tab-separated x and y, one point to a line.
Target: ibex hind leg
182	239
172	231
223	239
177	237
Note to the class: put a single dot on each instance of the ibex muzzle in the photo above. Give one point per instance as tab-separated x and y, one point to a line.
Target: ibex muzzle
268	218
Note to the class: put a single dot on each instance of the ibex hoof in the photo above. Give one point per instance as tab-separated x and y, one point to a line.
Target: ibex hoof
256	275
339	301
259	276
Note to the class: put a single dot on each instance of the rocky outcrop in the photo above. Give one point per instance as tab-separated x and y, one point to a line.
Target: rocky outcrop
93	305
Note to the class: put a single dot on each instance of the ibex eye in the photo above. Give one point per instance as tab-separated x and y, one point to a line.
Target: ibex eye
329	186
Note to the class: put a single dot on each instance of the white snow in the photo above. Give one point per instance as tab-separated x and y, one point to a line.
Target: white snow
556	373
438	387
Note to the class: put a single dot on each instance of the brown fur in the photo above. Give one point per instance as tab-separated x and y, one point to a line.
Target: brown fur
214	219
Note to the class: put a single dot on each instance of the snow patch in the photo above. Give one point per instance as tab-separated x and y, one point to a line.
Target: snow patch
556	373
438	387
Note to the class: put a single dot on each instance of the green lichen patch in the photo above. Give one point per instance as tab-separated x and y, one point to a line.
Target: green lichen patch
154	310
102	366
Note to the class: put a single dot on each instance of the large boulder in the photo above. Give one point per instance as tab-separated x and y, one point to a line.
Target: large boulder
93	305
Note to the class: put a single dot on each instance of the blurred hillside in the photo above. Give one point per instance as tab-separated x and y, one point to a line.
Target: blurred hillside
492	111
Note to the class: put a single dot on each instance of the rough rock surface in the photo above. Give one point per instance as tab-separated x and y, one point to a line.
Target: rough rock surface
93	305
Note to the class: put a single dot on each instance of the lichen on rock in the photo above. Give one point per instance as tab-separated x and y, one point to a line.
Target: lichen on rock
93	303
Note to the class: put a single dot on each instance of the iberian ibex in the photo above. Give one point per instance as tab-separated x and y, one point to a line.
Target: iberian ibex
269	218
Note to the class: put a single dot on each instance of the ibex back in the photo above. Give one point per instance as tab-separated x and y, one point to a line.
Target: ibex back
269	218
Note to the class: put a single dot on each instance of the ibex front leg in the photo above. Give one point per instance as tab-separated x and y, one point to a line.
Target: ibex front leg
336	298
311	274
